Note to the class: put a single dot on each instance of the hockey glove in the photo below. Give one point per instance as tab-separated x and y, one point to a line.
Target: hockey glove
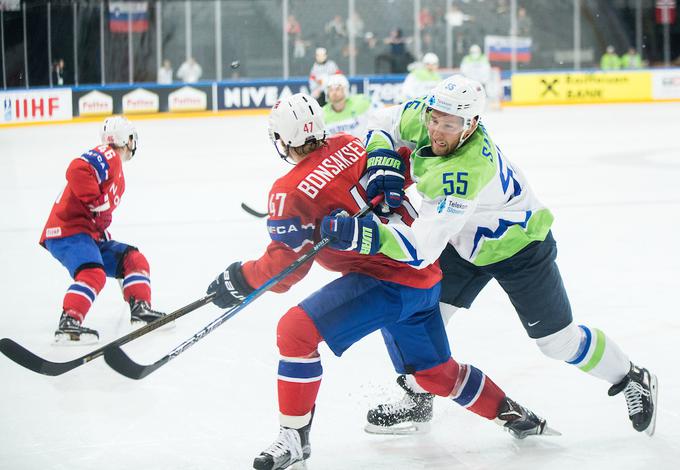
230	287
346	233
102	220
101	212
385	170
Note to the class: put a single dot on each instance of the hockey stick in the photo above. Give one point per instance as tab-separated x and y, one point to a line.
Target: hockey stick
121	362
252	211
29	360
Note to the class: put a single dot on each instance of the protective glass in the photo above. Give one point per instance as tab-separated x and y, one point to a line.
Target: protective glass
436	121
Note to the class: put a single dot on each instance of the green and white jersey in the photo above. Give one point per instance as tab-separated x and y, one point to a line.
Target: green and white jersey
353	119
475	199
403	123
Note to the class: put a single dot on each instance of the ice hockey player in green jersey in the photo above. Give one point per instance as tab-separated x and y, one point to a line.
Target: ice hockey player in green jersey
481	219
344	112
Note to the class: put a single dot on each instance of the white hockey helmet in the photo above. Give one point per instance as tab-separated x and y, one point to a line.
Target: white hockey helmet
296	120
458	96
338	80
430	59
117	131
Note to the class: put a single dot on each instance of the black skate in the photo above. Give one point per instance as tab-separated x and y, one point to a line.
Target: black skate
521	422
71	331
640	389
410	415
290	447
141	313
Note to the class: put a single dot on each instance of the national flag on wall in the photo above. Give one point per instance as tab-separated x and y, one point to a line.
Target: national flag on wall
132	15
665	11
499	48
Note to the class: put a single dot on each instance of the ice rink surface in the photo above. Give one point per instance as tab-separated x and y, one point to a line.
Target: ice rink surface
609	173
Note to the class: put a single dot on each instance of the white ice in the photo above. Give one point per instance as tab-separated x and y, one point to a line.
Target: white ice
610	173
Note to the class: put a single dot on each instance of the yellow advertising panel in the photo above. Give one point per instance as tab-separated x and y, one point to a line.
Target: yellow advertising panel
594	87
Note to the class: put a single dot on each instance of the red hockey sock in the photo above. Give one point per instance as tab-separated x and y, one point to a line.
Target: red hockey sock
81	294
476	392
300	371
465	384
136	280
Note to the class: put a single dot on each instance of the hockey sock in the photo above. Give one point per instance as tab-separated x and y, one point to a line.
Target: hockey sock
589	349
300	371
136	281
81	294
465	384
599	356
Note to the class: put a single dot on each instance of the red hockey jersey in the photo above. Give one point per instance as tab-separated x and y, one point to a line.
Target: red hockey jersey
328	179
96	172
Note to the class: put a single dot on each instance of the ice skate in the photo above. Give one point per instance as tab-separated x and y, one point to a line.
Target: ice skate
290	450
141	314
640	388
71	332
521	422
410	415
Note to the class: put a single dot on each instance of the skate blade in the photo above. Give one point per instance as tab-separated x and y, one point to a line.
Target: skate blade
548	431
65	339
301	465
654	388
402	429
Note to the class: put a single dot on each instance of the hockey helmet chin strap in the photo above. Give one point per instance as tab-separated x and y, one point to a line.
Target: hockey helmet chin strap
466	127
279	145
131	149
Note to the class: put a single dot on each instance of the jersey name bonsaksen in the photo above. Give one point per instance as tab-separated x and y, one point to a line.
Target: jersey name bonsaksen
330	167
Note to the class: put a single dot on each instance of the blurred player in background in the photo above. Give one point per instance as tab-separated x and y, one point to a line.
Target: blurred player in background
374	293
481	219
344	112
322	69
422	79
76	234
476	66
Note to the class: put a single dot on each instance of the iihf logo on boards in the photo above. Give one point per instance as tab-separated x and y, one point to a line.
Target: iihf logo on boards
7	106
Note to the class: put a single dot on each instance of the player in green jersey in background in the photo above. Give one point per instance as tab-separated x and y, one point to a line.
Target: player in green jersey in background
344	112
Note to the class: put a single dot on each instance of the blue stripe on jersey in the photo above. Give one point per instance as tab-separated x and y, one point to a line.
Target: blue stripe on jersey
84	290
503	226
290	231
505	180
386	134
471	387
411	250
135	278
300	370
583	347
99	163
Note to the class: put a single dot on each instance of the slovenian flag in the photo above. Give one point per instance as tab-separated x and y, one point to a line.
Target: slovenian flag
499	48
124	16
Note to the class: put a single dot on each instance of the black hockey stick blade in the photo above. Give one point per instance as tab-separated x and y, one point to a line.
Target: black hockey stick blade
31	361
116	358
121	362
27	359
252	211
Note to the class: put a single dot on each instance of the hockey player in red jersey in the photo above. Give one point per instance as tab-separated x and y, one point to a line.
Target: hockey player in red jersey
76	234
373	293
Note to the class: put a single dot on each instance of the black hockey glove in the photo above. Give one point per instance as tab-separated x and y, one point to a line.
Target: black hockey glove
230	287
